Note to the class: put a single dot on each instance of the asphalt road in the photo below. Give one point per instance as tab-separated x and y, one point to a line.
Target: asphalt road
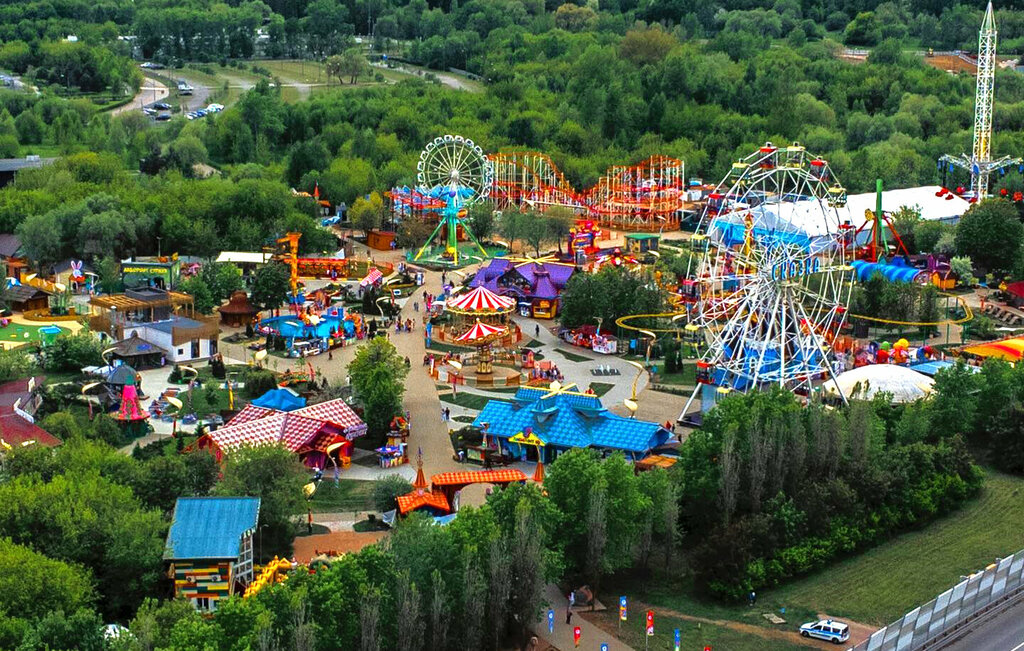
1004	633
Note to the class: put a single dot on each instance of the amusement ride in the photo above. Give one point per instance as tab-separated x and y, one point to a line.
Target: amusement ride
773	275
452	174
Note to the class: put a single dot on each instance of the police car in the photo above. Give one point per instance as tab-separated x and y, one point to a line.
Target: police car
826	629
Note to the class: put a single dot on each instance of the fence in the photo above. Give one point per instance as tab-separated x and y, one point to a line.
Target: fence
951	610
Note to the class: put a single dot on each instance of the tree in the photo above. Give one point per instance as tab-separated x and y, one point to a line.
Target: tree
185	152
40	235
378	381
89	520
351	63
223	279
558	222
597	534
276	476
386	489
990	232
367	214
270	286
535	230
33	585
647	46
73	352
481	220
196	287
574	18
410	626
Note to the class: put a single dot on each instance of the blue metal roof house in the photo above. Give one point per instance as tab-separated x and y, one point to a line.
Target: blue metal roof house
563	420
210	547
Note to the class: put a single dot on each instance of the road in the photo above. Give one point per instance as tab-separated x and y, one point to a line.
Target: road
1004	633
150	91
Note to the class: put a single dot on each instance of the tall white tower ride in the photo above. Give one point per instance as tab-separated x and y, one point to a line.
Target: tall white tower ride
980	163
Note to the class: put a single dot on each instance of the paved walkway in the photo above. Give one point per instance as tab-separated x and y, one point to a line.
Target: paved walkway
591	636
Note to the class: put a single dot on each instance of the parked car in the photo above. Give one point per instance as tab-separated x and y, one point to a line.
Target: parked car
826	629
215	108
162	106
201	113
191	116
149	111
163	117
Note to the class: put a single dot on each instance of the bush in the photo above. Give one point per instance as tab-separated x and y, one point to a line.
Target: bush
258	382
387	489
72	352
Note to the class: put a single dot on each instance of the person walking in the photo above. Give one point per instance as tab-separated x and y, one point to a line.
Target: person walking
536	329
568	616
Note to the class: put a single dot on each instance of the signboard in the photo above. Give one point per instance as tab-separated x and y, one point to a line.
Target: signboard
650	623
524	438
576	633
622	609
551	621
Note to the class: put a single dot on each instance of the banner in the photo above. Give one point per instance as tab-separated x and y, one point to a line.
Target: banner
677	640
622	609
650	622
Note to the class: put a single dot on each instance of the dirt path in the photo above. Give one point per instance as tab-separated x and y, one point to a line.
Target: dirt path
150	91
858	632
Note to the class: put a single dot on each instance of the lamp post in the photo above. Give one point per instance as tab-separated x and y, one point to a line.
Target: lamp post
631	404
174	402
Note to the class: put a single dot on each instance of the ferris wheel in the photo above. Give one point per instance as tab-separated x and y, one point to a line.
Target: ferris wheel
455	163
454	171
774	281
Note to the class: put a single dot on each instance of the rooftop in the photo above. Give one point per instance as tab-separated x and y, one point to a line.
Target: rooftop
125	303
569	419
210	527
15	164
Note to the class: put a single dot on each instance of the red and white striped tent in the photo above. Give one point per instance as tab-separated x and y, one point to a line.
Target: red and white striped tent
481	300
481	331
374	276
303	431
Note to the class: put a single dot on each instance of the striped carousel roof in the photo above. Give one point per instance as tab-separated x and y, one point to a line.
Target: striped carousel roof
481	331
481	300
373	276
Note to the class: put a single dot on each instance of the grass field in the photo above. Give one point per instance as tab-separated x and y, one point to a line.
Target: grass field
347	495
601	388
882	584
686	377
19	333
473	401
692	634
573	357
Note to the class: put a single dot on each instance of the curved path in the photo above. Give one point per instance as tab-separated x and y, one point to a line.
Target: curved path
150	91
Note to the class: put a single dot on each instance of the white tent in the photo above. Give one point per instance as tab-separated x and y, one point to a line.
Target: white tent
932	207
901	382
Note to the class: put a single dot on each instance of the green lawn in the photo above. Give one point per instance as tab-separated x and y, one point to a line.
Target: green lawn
685	377
601	388
468	400
883	583
533	343
573	357
306	72
17	332
693	635
347	495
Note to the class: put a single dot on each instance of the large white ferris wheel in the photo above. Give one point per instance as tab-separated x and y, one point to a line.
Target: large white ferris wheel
774	281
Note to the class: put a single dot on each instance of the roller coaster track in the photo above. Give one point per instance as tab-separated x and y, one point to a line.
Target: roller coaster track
646	196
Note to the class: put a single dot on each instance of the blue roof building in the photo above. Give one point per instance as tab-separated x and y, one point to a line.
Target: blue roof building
562	420
210	547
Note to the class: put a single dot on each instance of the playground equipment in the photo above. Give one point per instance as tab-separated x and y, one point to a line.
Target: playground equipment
773	274
648	196
454	171
276	571
979	163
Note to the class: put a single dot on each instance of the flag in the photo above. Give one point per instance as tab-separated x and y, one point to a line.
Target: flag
650	623
576	635
316	190
622	609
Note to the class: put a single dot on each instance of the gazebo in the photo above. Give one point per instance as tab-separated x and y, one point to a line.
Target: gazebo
481	336
238	311
138	351
481	302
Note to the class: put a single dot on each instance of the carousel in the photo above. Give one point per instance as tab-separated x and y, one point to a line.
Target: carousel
479	305
481	336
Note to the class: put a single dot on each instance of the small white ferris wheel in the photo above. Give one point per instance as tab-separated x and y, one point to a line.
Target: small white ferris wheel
454	162
773	276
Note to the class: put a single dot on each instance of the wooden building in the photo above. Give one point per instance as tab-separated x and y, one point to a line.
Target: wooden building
210	548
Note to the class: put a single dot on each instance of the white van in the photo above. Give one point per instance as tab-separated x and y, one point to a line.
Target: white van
826	629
